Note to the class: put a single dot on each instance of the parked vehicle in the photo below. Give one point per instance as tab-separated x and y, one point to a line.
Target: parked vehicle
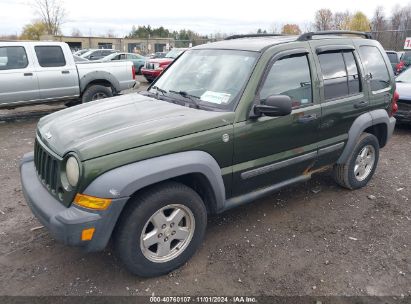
154	67
97	54
80	52
227	123
404	63
79	59
38	72
404	103
158	55
395	59
137	60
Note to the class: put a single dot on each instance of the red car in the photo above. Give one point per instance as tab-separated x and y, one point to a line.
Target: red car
154	67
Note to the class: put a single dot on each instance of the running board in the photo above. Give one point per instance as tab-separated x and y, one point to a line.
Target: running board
250	197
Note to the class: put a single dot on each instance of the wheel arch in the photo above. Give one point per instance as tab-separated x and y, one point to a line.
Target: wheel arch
99	78
375	122
196	169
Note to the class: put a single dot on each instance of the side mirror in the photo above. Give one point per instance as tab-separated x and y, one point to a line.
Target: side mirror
274	105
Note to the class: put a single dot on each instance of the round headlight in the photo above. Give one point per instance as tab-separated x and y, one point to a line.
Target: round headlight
72	171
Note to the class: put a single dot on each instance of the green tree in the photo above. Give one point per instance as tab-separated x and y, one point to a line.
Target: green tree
360	22
33	31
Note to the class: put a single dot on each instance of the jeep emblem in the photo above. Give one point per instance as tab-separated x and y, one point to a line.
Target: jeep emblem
226	137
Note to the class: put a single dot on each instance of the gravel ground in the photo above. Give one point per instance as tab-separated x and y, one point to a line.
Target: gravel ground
311	239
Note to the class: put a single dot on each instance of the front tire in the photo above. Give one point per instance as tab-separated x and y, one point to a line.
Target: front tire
361	165
161	229
96	92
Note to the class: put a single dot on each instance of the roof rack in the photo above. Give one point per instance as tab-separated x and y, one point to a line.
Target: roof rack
309	36
251	36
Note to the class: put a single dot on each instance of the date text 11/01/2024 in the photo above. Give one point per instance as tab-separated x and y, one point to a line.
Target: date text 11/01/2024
204	299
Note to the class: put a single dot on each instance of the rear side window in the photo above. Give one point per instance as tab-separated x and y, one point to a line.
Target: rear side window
13	57
393	57
340	74
375	67
50	56
289	76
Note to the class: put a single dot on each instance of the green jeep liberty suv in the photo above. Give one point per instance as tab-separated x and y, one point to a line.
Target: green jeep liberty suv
226	123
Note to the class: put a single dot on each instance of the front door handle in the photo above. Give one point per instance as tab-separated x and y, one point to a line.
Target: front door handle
65	72
360	104
307	118
28	74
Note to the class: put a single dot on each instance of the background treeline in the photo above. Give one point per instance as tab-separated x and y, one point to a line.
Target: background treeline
390	28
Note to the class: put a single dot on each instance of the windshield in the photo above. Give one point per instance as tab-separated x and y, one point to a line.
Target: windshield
404	76
174	53
212	78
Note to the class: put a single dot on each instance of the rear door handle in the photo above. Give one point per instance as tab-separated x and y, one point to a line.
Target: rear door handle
65	72
360	104
307	118
28	74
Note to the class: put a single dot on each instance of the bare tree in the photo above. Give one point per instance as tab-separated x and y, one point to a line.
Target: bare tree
323	20
52	14
342	20
76	33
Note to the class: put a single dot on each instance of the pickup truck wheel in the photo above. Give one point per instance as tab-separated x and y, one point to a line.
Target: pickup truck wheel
160	229
361	164
96	92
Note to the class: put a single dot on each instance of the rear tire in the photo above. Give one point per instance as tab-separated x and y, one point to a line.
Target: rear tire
361	165
160	229
96	92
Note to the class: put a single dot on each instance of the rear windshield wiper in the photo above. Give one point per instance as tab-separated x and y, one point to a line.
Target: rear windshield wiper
192	98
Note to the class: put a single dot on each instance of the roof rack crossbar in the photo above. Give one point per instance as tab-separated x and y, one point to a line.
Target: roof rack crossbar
309	35
251	36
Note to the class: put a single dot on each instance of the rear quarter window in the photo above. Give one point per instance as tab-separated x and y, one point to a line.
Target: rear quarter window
375	67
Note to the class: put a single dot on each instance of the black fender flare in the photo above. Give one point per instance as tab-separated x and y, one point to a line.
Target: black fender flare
360	124
126	180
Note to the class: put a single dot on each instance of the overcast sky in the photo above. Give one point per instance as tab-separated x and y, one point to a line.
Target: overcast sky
96	17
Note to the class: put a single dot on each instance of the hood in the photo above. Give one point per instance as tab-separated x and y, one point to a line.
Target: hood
120	123
404	90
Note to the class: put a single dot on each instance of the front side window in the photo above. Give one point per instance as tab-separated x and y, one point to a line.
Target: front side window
375	67
213	78
289	76
13	57
50	56
340	74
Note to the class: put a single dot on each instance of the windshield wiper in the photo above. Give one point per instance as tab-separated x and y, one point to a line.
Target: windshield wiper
188	96
164	92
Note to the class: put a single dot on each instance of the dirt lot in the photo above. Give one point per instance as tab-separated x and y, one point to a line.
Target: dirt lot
311	239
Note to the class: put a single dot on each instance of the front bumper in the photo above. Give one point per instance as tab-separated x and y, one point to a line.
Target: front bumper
403	116
66	224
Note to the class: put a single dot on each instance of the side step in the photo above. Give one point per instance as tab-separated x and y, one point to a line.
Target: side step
250	197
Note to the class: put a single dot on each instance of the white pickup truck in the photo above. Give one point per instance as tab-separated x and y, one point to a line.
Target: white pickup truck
38	72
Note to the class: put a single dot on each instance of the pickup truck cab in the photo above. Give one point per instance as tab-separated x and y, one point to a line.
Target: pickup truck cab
227	123
155	66
38	72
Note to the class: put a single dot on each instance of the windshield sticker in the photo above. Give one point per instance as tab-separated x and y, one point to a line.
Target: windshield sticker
215	97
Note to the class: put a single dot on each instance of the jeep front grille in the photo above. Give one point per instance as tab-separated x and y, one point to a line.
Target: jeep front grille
47	167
